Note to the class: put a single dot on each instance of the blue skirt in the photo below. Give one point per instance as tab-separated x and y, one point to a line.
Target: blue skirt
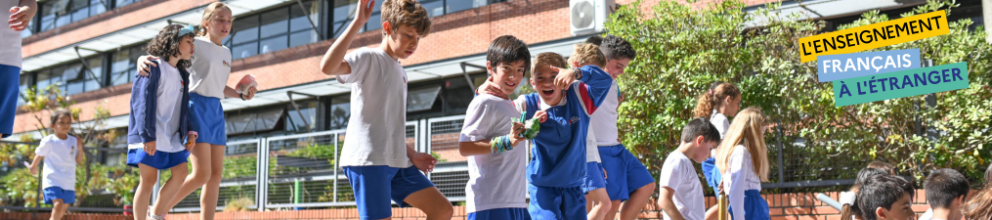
10	76
161	160
712	174
207	119
500	214
755	207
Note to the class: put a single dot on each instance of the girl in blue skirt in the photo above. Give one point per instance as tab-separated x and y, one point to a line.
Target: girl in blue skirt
743	162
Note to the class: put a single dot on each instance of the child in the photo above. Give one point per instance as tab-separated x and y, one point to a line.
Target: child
159	120
631	183
681	193
209	70
946	191
18	14
722	100
885	197
61	153
980	206
496	189
378	163
848	209
743	159
594	186
888	167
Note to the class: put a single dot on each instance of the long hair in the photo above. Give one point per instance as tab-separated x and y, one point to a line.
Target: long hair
980	206
713	98
208	15
166	45
847	210
746	130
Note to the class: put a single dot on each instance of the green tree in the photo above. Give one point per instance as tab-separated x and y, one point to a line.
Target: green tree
682	50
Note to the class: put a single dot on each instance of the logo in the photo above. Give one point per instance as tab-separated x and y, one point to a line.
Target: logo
226	64
574	120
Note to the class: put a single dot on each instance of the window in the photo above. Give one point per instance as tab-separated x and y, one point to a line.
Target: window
255	120
274	30
123	66
24	85
422	98
295	123
340	112
57	13
73	78
461	5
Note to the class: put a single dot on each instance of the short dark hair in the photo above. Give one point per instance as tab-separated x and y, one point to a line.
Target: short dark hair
945	185
595	40
700	127
616	48
881	191
508	49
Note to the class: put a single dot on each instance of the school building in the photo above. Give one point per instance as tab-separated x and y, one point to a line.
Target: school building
283	144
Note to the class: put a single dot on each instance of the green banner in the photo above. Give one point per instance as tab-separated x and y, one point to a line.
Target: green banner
900	84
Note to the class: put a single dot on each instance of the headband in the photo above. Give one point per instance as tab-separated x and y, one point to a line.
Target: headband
189	29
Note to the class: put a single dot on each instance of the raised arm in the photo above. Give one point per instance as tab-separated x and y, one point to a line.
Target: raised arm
333	62
20	15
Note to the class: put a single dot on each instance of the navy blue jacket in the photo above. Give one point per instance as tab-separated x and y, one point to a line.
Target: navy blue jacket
144	103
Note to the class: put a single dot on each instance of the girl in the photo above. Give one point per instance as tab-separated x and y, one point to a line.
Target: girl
849	211
980	205
159	121
743	159
61	153
211	66
722	100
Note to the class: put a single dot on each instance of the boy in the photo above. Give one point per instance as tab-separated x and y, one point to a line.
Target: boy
378	163
885	197
681	192
556	172
594	186
631	181
946	190
496	189
18	14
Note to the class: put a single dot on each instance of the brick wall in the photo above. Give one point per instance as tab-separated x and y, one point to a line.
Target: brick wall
786	206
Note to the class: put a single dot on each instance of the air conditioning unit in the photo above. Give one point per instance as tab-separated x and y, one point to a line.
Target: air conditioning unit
588	16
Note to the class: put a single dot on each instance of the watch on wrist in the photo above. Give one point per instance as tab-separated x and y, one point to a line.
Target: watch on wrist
242	95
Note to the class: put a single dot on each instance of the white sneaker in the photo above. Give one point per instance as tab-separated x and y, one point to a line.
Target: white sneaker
155	217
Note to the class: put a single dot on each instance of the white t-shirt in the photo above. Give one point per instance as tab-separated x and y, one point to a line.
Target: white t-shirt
605	119
722	125
10	40
592	148
210	69
678	174
60	161
739	178
495	180
377	126
170	93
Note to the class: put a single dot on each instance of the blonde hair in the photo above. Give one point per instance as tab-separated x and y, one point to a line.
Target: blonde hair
588	54
713	98
208	15
406	12
547	59
746	130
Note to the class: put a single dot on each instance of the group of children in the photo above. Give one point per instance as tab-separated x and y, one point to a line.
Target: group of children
578	170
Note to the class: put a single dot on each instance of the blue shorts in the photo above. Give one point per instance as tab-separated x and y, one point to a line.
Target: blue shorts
712	174
500	214
556	203
374	186
207	119
594	177
10	77
53	193
755	207
161	160
625	171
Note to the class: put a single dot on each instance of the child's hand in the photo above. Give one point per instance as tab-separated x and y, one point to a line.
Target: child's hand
515	136
491	88
20	17
541	115
364	12
146	60
565	77
251	93
721	189
150	148
424	162
33	169
191	137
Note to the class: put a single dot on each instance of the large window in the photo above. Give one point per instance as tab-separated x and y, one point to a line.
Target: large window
24	85
274	30
295	123
72	78
57	13
122	66
340	112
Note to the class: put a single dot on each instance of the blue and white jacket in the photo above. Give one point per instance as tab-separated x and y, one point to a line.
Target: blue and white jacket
144	102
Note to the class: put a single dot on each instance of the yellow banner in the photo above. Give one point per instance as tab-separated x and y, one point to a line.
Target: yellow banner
874	35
